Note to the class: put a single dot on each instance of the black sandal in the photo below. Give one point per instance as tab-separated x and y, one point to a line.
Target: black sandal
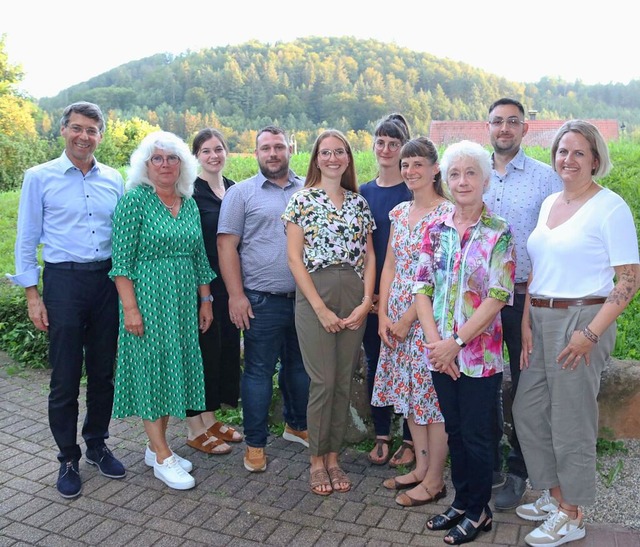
466	532
445	520
396	459
380	452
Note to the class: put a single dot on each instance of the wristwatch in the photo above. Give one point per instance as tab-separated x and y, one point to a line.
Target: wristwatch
458	340
204	299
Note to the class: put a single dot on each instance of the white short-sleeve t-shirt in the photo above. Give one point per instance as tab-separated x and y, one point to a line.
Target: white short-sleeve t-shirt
576	259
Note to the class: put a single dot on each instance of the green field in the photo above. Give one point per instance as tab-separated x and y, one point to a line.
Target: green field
623	180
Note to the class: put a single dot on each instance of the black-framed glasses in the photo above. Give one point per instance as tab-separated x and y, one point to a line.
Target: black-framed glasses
391	145
158	160
512	122
338	153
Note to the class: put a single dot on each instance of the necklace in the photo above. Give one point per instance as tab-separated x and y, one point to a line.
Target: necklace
568	201
170	207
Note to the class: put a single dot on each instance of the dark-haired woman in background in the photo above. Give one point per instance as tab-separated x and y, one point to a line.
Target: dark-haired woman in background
383	193
220	345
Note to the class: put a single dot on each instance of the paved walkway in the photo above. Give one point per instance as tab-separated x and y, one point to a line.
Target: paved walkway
228	506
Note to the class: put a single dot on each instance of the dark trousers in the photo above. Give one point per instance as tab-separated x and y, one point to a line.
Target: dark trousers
512	334
380	415
220	347
469	407
82	305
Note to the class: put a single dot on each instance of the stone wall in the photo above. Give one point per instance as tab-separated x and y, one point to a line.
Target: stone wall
619	403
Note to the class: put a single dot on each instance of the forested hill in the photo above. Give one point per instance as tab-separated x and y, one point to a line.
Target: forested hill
339	82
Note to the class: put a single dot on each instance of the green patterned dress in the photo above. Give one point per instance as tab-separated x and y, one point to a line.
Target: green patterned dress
160	373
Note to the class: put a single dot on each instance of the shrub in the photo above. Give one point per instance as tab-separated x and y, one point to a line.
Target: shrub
18	337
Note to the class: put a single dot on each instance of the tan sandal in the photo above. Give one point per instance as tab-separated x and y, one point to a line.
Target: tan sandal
209	444
229	435
399	457
338	476
380	458
319	478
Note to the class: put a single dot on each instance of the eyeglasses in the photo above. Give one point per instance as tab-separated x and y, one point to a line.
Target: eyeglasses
338	153
78	130
391	145
512	123
171	159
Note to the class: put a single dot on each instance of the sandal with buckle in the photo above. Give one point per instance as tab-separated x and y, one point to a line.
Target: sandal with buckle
380	458
406	500
444	521
319	478
209	444
397	459
338	476
394	484
229	435
466	532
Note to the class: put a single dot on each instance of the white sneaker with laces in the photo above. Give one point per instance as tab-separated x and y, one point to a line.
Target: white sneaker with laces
557	529
539	509
150	459
171	473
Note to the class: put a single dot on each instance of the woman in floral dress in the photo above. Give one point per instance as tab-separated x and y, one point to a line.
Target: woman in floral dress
402	378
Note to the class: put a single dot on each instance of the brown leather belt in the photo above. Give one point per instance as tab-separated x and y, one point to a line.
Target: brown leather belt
564	303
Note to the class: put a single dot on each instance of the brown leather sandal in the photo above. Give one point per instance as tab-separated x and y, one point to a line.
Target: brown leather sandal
319	478
230	435
399	457
380	458
209	444
338	476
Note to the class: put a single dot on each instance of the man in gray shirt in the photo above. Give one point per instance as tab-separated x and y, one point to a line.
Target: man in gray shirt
519	184
252	247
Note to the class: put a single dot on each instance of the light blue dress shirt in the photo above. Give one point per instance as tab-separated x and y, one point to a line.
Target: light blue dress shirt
69	213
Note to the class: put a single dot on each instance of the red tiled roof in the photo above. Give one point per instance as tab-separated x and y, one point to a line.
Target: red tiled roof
541	132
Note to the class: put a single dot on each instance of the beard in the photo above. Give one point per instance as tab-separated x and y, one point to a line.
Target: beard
280	173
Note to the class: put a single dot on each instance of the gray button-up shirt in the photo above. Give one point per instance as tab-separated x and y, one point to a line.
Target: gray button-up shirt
252	210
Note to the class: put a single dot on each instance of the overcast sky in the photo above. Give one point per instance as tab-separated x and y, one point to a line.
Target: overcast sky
62	43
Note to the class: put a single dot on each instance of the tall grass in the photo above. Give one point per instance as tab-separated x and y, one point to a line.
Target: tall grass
623	180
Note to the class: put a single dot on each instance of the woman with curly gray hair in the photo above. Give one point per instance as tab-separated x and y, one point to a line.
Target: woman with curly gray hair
159	266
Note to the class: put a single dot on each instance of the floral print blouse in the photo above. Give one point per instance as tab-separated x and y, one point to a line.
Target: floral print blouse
331	235
458	275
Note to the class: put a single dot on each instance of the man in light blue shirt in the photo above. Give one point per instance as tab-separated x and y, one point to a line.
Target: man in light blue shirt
67	205
519	184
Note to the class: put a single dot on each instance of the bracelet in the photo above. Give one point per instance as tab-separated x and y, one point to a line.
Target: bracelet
365	297
458	340
590	335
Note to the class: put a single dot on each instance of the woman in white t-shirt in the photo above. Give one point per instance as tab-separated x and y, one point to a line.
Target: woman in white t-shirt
585	270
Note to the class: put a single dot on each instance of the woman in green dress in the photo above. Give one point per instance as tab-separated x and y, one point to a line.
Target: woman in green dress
159	267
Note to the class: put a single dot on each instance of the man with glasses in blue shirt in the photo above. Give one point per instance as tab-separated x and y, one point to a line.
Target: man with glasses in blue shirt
67	206
518	186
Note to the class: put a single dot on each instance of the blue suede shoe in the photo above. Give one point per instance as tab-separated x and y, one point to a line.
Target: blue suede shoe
69	484
108	465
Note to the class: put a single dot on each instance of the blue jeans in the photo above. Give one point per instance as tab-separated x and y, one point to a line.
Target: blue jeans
271	338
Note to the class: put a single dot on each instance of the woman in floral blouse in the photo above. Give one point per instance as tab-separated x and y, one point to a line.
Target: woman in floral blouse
330	249
465	276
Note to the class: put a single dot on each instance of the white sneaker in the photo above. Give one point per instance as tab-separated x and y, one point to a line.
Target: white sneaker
171	473
557	529
539	509
150	459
